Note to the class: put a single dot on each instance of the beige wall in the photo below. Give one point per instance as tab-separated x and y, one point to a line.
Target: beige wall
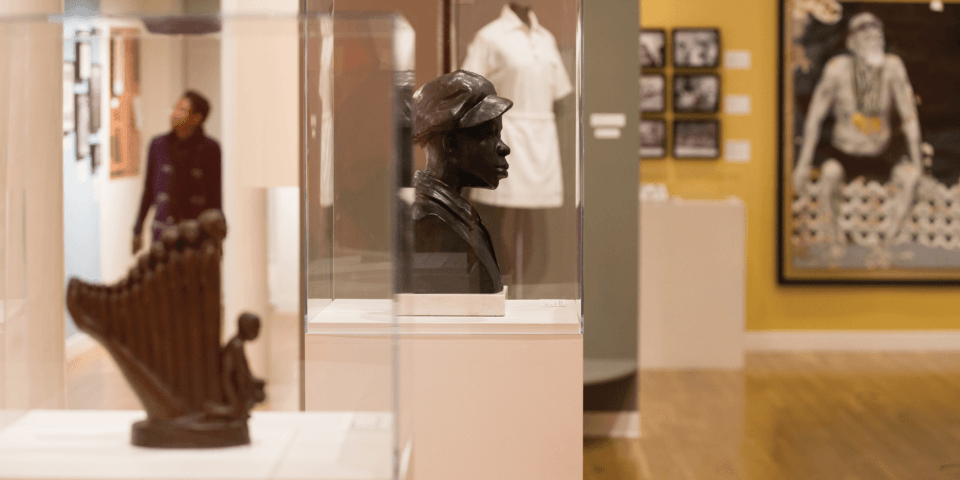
31	342
259	68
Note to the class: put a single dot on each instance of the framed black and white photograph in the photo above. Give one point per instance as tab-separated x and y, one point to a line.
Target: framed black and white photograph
696	139
653	138
83	126
653	48
653	93
68	103
696	93
696	48
96	88
869	143
82	45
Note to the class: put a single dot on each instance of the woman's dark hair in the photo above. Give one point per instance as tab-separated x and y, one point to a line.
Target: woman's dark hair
198	104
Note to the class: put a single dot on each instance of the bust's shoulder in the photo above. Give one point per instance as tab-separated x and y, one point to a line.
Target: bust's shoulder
426	211
437	229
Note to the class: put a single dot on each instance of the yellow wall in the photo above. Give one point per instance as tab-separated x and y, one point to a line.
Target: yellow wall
753	25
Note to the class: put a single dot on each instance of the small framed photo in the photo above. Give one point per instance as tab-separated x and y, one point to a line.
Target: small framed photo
696	48
82	46
653	138
653	93
83	126
696	139
68	102
95	98
653	48
696	93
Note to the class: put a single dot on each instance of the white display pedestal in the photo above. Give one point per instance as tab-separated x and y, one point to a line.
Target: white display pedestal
481	397
692	284
94	444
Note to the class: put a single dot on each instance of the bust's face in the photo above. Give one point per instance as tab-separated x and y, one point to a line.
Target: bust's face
481	154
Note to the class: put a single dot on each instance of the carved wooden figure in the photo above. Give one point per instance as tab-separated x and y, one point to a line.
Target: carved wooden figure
162	324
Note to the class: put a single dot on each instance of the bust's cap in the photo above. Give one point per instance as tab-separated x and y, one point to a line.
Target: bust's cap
460	99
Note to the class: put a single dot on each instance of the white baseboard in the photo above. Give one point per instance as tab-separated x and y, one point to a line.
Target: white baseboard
611	424
78	344
852	341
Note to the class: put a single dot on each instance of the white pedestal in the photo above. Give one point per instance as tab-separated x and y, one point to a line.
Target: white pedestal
692	284
480	397
90	444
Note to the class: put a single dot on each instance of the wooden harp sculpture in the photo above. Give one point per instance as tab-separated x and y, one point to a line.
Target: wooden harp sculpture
162	325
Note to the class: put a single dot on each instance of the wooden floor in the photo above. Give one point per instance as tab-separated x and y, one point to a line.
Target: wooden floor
794	416
784	417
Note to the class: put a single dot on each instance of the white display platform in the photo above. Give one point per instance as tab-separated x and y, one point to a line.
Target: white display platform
458	304
93	444
364	316
692	283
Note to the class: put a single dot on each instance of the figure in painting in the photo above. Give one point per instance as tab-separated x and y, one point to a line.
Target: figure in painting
861	89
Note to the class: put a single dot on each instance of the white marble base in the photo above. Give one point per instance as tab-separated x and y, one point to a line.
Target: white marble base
89	444
452	304
350	316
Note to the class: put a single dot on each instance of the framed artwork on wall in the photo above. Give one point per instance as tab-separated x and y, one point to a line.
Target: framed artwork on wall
698	93
69	72
696	48
653	48
653	138
653	93
96	89
869	142
125	132
696	139
83	126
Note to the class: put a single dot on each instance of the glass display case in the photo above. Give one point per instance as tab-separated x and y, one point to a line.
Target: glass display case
108	177
489	379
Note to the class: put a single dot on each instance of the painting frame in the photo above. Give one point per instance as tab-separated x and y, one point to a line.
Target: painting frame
653	103
677	42
69	78
679	102
695	152
906	257
657	150
649	60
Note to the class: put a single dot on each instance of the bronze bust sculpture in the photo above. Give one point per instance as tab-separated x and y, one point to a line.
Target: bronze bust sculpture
162	325
457	122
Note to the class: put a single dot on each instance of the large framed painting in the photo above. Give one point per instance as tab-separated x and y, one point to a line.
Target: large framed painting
869	142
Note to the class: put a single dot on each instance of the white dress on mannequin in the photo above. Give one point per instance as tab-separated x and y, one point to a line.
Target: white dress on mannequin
524	65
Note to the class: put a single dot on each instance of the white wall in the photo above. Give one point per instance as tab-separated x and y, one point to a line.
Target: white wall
283	204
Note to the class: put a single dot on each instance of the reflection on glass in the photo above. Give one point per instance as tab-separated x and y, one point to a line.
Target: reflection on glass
522	58
183	170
